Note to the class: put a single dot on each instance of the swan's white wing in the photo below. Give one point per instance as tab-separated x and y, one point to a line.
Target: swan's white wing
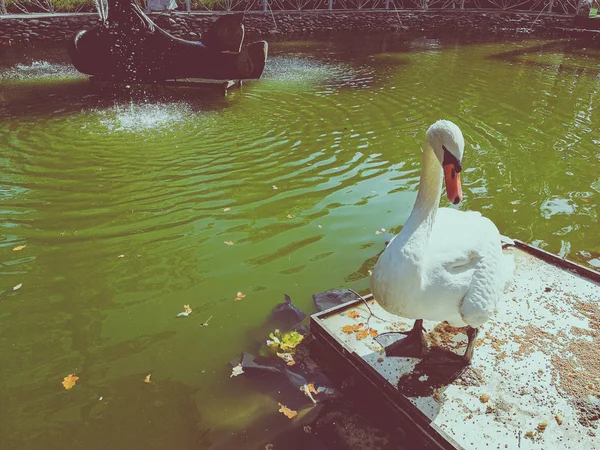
466	249
457	239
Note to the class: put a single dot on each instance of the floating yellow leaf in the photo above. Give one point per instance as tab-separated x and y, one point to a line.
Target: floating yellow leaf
484	398
187	309
287	412
228	242
373	332
353	314
311	388
239	296
147	379
69	381
19	248
226	209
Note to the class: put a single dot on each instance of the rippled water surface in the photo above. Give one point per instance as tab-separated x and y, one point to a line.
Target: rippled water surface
125	199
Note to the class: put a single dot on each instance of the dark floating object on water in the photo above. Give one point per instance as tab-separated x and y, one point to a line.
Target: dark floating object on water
286	315
261	366
129	46
335	297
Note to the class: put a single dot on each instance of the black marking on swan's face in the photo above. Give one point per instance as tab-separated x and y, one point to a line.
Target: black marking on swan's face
449	158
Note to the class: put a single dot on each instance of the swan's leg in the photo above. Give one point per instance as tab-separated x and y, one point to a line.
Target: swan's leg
472	335
447	363
413	345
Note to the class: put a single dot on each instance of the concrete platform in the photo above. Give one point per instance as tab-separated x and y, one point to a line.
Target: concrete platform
534	382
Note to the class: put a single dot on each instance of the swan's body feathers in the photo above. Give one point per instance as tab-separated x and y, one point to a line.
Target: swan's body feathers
456	278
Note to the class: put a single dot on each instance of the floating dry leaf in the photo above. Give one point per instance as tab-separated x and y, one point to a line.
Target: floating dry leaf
187	309
542	427
287	358
228	242
558	419
147	379
484	398
121	256
274	187
237	370
205	324
289	216
19	248
226	209
353	314
69	381
239	296
373	332
287	412
380	231
308	393
18	286
269	447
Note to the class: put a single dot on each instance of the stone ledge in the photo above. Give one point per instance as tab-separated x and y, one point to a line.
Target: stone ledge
40	27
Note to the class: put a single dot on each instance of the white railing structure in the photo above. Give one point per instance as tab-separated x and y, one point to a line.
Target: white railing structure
559	7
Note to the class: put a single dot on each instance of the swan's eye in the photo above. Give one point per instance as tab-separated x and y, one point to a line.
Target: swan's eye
449	158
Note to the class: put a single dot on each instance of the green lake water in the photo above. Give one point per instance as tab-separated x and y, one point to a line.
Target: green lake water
121	198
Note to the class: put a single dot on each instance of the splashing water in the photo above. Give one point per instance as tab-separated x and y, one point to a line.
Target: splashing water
102	7
301	69
39	70
142	118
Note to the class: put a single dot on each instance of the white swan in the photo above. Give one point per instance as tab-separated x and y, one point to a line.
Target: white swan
445	265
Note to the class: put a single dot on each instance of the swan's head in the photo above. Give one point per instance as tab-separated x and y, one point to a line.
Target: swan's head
448	144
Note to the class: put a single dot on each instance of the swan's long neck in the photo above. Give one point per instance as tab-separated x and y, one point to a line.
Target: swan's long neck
416	231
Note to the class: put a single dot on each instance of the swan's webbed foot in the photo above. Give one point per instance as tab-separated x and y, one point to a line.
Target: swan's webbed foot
446	364
413	345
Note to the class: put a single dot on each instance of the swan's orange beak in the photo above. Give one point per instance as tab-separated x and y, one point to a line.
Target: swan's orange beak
453	188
